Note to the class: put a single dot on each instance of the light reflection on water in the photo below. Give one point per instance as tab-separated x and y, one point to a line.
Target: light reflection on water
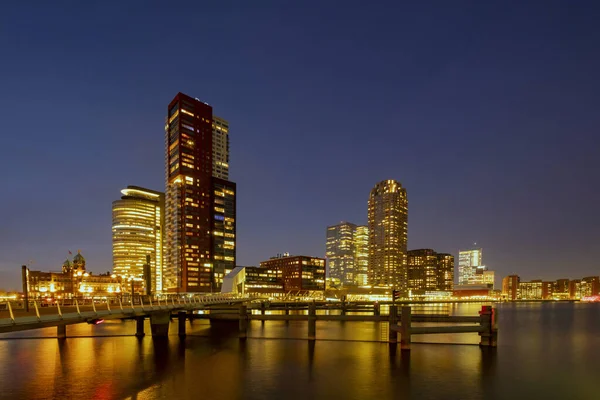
545	351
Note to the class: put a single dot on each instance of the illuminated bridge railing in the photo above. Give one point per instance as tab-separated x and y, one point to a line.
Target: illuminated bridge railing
49	316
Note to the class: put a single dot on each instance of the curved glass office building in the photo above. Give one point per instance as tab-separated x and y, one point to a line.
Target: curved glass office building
137	233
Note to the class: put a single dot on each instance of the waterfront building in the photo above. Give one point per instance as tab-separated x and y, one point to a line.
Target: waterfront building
138	235
585	287
530	290
254	281
429	271
547	290
301	274
510	287
72	281
470	265
194	173
561	289
388	233
347	254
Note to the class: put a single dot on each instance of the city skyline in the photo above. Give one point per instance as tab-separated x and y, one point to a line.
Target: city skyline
507	120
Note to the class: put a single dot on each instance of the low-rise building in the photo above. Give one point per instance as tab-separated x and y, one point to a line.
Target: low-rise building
279	276
71	282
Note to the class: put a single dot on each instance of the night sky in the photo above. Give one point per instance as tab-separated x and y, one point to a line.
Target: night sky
487	112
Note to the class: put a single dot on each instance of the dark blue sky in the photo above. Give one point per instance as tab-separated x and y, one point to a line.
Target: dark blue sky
487	112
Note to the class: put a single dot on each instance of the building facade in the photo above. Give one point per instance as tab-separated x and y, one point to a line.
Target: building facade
347	254
223	230
469	262
429	271
73	281
562	289
361	254
138	235
388	233
300	274
190	204
510	287
220	147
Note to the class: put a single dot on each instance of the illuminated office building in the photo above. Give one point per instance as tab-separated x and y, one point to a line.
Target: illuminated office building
388	225
300	274
223	230
429	271
470	265
361	254
137	233
220	145
193	211
347	254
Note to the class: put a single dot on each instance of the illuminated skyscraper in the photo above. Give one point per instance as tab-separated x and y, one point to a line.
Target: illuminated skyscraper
194	212
340	253
388	226
137	232
347	253
220	145
468	263
361	254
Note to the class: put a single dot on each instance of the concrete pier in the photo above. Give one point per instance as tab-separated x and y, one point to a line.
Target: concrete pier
61	331
159	323
243	327
181	317
139	327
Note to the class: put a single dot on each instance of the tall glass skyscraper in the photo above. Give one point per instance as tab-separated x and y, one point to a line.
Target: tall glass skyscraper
347	253
200	203
388	227
137	233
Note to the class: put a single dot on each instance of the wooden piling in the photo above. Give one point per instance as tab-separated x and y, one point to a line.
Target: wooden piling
405	330
393	335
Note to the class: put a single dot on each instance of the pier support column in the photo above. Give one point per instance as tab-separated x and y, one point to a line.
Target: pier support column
405	323
181	317
139	327
312	321
159	323
287	310
489	333
263	307
344	307
61	331
243	328
393	321
376	309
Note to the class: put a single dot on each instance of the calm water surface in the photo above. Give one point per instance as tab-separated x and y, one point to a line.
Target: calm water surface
545	351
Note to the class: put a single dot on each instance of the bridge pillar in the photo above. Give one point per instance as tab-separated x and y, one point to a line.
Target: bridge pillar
61	331
243	328
263	307
312	321
287	309
405	328
181	317
393	320
139	326
159	322
344	307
